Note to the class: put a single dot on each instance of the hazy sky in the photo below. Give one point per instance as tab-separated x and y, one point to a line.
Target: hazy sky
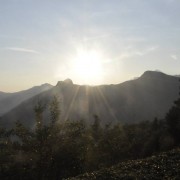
43	41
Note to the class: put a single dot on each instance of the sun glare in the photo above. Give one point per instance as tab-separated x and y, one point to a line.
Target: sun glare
88	66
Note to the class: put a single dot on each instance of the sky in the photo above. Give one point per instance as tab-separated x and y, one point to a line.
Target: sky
89	41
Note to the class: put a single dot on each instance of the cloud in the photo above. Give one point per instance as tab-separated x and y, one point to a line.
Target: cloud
18	49
136	39
125	55
173	56
96	37
148	50
153	48
134	52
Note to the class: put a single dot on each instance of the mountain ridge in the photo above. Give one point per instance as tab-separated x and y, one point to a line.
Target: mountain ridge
10	100
149	96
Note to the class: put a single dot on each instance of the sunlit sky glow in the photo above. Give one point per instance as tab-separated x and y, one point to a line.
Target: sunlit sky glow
89	41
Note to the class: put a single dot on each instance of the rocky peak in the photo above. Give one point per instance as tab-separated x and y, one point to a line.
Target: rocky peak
153	74
66	82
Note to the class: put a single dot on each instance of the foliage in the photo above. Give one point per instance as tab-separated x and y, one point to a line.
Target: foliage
173	121
163	166
65	149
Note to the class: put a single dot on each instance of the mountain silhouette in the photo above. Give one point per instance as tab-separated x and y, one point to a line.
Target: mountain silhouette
149	96
9	101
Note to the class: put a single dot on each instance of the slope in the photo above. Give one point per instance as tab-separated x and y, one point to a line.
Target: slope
10	100
163	166
145	98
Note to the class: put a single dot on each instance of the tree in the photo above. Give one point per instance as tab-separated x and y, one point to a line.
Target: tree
173	121
54	110
6	152
96	129
39	109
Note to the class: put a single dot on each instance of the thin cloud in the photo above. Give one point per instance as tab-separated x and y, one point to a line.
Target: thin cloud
173	56
147	50
96	37
136	39
125	55
132	53
18	49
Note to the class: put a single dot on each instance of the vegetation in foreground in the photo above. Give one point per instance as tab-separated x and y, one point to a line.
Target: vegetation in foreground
163	166
67	149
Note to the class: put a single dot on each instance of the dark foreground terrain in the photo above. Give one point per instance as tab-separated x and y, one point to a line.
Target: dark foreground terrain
163	166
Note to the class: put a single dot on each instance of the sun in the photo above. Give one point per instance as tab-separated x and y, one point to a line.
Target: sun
87	66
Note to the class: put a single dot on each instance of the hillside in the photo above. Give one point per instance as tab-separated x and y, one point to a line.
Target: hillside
163	166
149	96
9	101
4	95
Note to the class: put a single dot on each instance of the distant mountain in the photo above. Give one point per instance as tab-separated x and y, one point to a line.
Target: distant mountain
10	100
3	95
145	98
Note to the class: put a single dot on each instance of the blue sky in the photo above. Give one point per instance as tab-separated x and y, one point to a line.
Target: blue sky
40	40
